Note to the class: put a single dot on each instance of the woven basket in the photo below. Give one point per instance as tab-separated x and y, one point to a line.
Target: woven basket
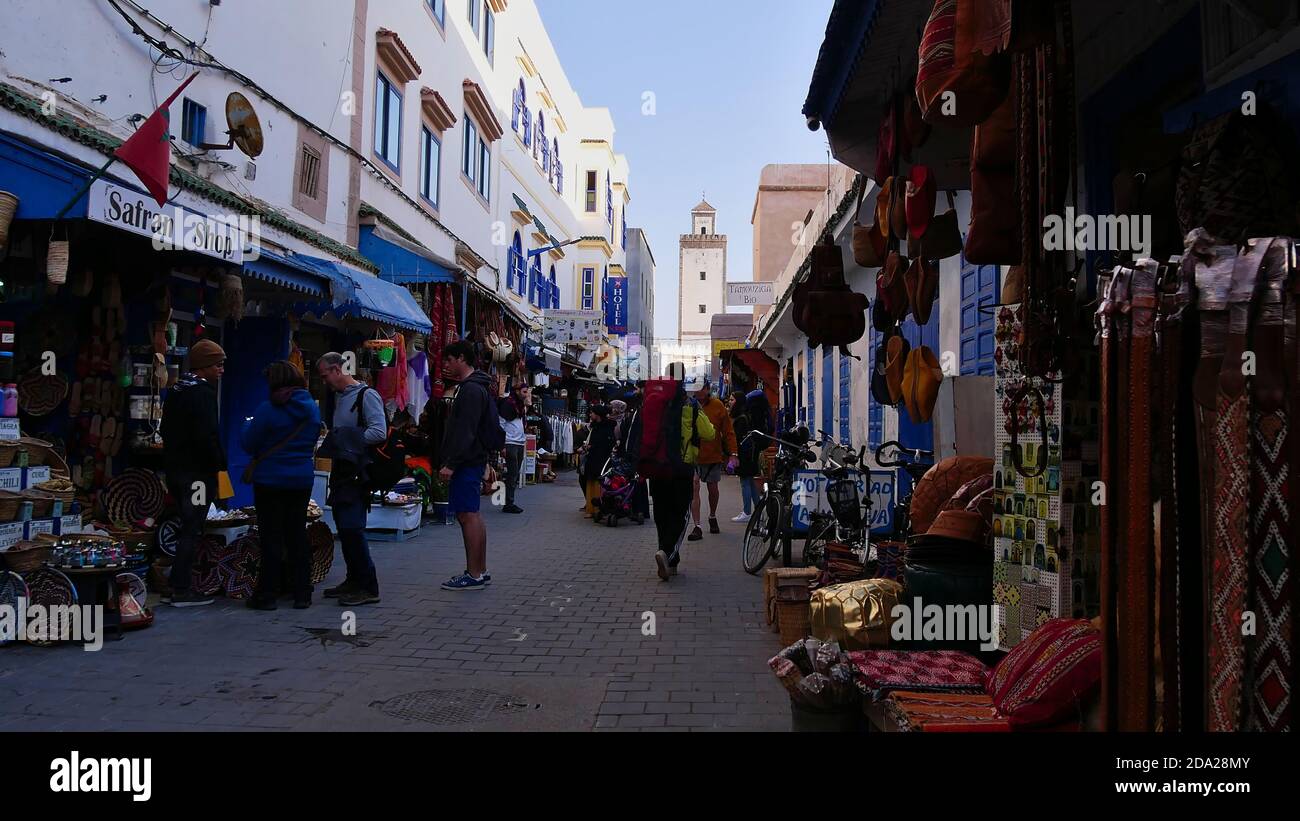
8	451
65	496
8	207
42	503
795	619
26	556
38	450
56	262
771	579
9	505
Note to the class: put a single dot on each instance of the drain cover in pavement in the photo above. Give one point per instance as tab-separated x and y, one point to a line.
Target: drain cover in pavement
451	706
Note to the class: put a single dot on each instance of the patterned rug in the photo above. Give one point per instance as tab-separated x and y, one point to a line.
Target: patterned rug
1271	660
1228	565
916	712
879	672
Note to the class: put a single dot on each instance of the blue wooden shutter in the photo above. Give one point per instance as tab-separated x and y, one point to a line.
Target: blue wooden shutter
846	399
979	291
810	365
875	411
828	390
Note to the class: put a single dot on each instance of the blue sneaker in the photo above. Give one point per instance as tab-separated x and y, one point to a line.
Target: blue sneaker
465	582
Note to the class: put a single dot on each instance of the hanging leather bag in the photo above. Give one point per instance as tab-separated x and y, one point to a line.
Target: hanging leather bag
943	237
833	313
891	286
922	281
879	381
868	243
922	376
948	61
994	234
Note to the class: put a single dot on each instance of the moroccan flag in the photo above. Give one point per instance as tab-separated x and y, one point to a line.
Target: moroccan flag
149	150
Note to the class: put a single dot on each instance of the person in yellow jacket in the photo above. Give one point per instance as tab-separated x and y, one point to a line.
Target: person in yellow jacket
713	453
672	496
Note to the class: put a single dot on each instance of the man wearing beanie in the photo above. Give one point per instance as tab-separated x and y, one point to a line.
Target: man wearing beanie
193	455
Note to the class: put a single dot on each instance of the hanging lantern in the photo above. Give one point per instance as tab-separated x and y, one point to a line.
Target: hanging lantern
386	356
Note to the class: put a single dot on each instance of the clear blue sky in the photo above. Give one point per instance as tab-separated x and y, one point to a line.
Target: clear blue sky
730	78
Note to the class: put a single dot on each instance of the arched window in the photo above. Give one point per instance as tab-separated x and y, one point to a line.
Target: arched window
517	108
555	290
559	169
515	264
535	281
528	126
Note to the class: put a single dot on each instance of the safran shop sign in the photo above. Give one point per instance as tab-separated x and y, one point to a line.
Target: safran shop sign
173	228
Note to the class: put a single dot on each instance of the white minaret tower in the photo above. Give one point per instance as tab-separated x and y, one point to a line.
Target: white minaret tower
703	277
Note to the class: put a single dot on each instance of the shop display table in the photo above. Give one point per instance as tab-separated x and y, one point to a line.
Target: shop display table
97	587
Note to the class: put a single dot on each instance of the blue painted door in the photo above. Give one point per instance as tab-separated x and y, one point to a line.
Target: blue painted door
828	389
875	411
252	345
979	291
846	398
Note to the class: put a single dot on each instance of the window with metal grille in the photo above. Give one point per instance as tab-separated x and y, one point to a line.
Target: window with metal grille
588	288
309	176
591	192
702	308
703	276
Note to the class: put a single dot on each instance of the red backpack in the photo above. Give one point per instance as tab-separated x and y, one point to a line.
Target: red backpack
661	430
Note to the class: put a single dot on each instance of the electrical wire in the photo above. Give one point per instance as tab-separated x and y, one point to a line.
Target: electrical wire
168	50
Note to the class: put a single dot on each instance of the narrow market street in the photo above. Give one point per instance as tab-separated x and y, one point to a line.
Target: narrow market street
556	643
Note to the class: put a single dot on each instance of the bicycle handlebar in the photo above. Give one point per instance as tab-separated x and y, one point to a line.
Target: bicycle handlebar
915	453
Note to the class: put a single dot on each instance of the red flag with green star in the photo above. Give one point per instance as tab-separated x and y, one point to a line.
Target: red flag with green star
148	152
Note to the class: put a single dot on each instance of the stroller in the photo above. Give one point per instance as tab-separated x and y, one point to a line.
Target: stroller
618	482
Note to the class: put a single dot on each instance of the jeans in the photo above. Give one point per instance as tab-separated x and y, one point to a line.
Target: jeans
514	462
282	523
192	516
748	493
672	507
356	555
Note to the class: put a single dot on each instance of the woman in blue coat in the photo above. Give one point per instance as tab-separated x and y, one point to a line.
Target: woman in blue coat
281	437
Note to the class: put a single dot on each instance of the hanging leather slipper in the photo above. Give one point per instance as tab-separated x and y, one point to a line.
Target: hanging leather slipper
922	281
921	379
898	209
897	350
892	287
919	207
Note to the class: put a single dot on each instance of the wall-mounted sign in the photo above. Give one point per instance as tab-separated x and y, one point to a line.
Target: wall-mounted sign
810	497
616	306
172	228
750	293
565	326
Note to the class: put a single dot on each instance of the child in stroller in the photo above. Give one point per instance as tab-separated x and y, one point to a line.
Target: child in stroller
617	484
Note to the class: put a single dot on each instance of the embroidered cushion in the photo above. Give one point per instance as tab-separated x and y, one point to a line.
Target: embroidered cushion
1043	679
880	671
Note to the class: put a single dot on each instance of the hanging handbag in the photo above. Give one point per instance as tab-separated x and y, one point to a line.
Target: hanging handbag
891	286
897	350
922	376
881	319
943	237
922	281
868	243
879	381
919	205
956	84
993	237
834	314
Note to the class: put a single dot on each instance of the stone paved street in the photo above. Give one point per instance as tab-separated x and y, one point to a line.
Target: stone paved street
555	643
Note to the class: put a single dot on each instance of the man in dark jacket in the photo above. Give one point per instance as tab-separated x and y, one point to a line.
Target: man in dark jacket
513	409
193	456
464	458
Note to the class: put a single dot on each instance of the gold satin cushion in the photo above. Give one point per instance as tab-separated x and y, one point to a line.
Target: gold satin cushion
856	614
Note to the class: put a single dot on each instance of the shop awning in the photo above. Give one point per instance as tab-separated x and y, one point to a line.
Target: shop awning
761	364
287	272
399	259
358	294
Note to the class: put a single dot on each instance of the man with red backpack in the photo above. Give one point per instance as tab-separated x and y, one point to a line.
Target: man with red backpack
473	435
672	427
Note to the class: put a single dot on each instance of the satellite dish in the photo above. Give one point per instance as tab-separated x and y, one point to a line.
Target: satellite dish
245	130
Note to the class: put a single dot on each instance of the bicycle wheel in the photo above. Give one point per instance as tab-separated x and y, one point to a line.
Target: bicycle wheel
761	536
821	531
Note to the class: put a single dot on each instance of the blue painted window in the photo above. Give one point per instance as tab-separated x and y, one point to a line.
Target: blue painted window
439	9
588	288
609	200
535	284
528	126
543	144
555	290
979	292
846	399
468	156
604	290
559	168
515	262
489	33
388	121
430	160
473	17
484	170
194	118
517	105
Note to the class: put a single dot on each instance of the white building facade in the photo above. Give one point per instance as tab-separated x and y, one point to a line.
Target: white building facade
702	278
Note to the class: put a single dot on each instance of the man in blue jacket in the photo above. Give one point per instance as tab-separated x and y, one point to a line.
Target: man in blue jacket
358	422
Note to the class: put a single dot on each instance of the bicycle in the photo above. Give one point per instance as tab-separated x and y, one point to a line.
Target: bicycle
902	524
845	523
769	527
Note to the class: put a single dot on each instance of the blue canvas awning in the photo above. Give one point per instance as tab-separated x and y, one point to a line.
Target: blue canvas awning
399	259
367	296
287	272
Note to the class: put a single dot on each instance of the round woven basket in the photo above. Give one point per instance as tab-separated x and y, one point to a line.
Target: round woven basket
8	452
42	503
56	262
795	620
8	207
38	450
23	557
39	394
9	505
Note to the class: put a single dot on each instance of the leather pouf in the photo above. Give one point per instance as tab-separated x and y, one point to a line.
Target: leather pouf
939	484
856	614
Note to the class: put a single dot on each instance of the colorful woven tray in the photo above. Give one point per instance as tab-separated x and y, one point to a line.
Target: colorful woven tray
321	540
47	586
134	496
242	566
